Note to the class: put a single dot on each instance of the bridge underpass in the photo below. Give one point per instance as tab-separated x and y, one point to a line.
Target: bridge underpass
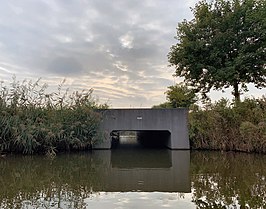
139	139
163	127
144	170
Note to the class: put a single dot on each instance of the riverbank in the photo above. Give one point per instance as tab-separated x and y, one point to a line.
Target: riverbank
229	127
34	121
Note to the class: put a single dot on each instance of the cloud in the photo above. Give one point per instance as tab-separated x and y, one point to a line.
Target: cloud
65	66
119	47
127	40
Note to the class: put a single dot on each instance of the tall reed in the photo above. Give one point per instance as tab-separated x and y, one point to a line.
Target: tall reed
32	120
230	126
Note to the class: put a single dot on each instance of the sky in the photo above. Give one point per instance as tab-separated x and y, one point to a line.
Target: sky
119	48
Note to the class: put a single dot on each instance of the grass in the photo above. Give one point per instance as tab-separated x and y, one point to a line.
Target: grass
229	126
35	121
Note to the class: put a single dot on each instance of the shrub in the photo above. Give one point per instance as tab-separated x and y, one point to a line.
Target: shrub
34	121
225	126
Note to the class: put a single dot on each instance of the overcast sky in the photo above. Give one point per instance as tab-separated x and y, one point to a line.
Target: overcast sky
119	48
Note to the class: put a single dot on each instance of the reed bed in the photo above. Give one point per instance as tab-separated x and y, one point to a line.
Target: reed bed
35	121
230	126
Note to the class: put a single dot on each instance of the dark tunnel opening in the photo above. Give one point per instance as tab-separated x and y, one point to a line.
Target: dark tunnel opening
140	139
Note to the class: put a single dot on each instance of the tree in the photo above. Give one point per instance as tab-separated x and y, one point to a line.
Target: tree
178	96
162	106
224	45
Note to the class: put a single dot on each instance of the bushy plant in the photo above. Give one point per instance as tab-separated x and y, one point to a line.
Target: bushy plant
35	121
178	95
237	126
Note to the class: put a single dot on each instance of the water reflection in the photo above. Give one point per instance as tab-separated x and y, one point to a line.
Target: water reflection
139	178
228	180
149	170
68	179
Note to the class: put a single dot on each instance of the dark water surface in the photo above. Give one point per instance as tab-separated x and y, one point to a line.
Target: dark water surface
140	178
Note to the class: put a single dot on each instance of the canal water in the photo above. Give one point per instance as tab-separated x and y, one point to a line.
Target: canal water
134	178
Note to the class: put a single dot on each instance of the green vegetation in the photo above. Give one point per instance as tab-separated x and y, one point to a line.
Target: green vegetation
225	126
178	96
223	46
34	121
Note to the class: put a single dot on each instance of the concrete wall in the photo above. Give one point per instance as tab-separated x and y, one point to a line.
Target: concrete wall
173	120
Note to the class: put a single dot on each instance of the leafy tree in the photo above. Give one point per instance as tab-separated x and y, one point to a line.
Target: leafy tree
224	45
178	96
163	105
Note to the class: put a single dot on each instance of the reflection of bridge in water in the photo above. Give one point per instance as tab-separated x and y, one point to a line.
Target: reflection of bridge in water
169	125
67	180
145	170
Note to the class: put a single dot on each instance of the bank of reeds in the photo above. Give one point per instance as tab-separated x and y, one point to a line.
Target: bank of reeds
229	126
35	121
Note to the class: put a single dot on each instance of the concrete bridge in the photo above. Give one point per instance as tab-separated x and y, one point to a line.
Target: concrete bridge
171	124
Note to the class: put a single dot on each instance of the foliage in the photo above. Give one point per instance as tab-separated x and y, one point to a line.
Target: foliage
178	95
34	121
224	45
223	126
163	105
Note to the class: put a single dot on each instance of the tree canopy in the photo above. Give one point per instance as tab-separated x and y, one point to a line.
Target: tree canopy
178	95
223	46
